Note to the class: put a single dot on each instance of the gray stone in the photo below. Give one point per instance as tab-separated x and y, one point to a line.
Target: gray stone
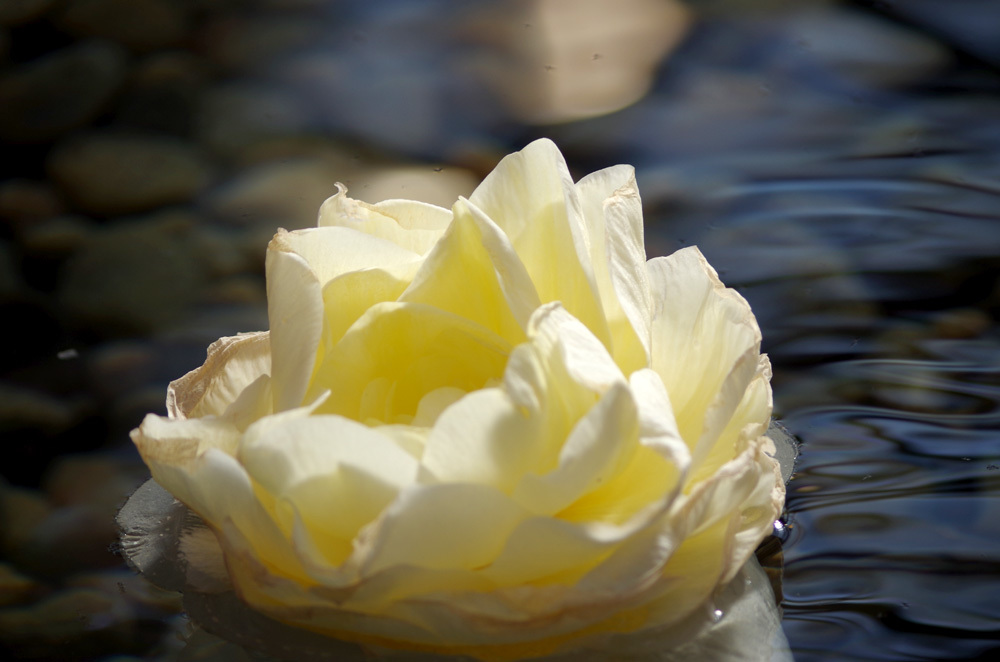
44	98
26	202
111	174
134	277
866	48
141	25
15	12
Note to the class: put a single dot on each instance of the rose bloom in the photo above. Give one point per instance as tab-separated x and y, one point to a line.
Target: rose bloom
495	430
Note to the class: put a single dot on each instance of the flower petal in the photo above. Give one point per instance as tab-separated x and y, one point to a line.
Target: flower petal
399	352
444	526
336	474
613	213
414	226
531	196
699	328
233	363
464	274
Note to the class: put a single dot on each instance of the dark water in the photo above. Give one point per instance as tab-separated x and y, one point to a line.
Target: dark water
838	162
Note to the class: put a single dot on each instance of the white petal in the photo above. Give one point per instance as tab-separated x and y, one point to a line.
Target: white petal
595	450
701	331
337	474
414	226
295	312
613	213
484	439
531	197
446	526
466	274
233	363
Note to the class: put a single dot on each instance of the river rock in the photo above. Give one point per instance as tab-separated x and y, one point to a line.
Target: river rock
141	25
164	276
42	99
110	174
866	48
15	12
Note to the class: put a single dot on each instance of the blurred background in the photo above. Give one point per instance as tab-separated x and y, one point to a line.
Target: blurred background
838	162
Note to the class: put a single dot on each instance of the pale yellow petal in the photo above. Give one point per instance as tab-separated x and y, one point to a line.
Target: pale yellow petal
612	210
333	251
399	352
334	474
443	526
295	312
461	276
484	439
531	197
701	331
233	363
414	226
596	449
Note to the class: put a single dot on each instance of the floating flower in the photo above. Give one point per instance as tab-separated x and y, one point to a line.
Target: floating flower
494	431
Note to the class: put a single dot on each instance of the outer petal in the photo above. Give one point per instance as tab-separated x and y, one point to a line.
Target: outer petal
700	328
414	226
335	474
295	312
613	214
233	363
445	526
531	196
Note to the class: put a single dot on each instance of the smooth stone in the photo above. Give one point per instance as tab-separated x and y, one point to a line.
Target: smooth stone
15	12
223	253
21	510
89	530
64	621
24	202
141	25
236	117
164	94
865	47
15	588
57	237
110	174
11	284
164	271
240	42
284	195
60	91
21	407
100	480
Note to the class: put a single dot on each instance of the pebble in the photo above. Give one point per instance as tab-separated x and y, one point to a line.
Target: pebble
140	25
46	97
20	511
24	202
866	48
111	174
15	12
68	620
164	94
101	480
284	194
21	407
164	271
87	529
56	238
15	588
10	279
236	117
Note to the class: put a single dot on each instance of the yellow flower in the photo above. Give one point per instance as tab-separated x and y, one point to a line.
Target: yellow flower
495	431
